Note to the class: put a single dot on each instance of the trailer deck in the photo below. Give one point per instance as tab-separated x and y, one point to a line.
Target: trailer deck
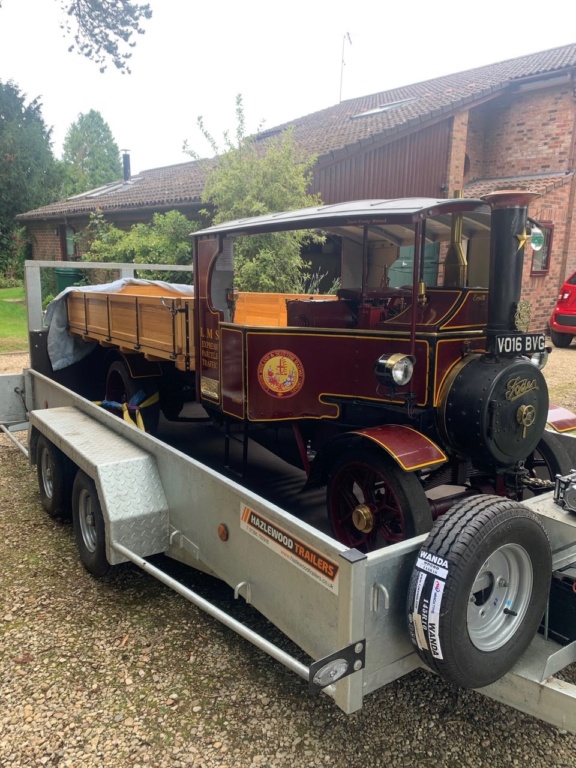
340	607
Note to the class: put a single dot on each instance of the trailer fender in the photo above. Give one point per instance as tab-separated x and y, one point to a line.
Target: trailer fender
410	449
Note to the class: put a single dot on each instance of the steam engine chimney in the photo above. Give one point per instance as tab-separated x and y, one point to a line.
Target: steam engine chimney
509	233
126	164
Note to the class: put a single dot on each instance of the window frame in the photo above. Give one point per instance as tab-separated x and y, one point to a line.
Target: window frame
547	228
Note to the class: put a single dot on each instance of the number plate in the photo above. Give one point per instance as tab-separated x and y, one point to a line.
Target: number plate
519	344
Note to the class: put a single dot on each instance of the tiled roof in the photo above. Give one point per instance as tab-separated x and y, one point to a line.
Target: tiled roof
331	131
539	182
157	188
341	127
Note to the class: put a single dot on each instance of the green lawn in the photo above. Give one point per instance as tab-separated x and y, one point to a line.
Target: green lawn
13	325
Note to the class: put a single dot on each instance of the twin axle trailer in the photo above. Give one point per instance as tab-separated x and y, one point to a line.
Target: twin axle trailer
448	539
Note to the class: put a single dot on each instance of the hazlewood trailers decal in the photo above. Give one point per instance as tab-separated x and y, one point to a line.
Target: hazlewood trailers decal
309	560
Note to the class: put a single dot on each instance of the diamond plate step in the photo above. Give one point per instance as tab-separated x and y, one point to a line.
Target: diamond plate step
127	479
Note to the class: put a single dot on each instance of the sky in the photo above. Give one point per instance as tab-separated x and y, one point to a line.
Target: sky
286	59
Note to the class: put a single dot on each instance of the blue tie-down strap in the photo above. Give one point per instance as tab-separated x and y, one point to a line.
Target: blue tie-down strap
131	411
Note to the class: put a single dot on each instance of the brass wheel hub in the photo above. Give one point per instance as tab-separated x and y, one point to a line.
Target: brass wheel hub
363	518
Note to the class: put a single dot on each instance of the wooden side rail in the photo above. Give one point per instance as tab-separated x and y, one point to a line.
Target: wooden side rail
152	325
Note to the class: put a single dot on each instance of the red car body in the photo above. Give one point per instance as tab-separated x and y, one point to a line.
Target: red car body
563	319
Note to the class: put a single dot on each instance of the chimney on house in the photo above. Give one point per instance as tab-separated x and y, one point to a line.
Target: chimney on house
126	164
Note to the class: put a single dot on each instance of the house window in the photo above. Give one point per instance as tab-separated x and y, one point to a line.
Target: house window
541	258
67	243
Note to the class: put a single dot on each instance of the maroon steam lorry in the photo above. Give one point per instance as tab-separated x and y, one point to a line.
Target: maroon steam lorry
417	384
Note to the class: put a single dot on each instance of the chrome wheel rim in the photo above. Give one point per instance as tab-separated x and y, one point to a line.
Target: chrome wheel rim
499	597
46	473
87	521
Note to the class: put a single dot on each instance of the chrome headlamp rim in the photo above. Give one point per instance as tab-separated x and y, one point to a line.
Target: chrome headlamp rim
394	370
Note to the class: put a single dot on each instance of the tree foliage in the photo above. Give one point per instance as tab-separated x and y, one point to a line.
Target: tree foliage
91	156
104	29
29	173
252	178
166	240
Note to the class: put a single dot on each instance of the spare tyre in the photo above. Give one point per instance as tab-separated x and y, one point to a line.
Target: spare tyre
479	589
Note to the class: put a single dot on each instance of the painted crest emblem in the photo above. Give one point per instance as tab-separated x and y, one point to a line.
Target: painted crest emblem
281	373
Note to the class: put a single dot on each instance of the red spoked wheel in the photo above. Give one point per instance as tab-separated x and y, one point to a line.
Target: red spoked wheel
373	503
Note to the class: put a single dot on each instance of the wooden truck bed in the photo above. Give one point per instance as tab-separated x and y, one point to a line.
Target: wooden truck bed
147	319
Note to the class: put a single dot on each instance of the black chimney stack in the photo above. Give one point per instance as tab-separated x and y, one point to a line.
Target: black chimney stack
126	165
509	233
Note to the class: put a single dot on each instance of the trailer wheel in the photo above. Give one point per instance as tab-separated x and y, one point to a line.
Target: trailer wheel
372	503
121	387
479	590
89	525
55	477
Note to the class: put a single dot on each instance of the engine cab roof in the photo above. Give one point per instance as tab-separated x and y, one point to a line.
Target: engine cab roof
391	219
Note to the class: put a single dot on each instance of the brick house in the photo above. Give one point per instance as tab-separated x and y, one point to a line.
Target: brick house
504	125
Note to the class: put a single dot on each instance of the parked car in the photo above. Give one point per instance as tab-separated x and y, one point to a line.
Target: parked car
563	319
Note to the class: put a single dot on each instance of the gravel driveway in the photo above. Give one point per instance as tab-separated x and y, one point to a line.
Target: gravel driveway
124	672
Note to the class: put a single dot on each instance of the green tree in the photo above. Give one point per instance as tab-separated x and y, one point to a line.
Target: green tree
29	173
104	29
166	240
252	178
90	155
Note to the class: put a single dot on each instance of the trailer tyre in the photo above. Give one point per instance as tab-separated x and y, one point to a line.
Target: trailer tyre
479	590
89	525
55	477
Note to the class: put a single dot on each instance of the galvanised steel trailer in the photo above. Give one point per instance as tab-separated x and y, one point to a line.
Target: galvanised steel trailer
134	496
345	609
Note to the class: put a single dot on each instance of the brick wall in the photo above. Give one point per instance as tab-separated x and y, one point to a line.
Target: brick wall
526	134
457	153
529	133
475	143
45	239
541	290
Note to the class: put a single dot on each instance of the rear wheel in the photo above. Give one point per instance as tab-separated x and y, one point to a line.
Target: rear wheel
55	474
479	590
561	339
89	528
372	503
122	387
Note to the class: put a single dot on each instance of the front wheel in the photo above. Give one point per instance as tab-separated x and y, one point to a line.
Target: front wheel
561	340
89	527
479	590
372	503
548	459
